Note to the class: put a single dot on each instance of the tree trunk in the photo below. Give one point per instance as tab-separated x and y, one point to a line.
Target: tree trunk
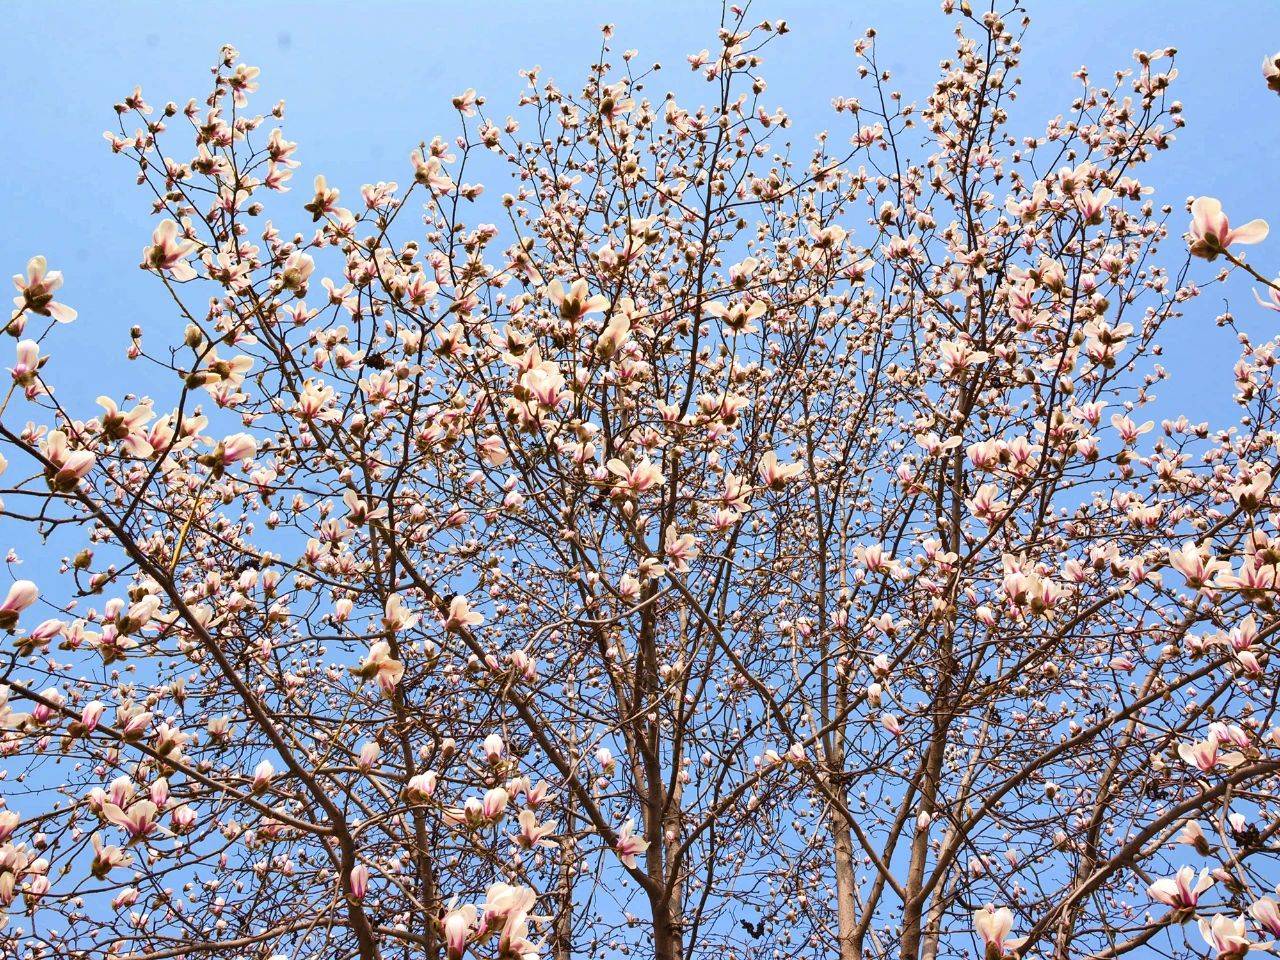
668	939
930	780
846	892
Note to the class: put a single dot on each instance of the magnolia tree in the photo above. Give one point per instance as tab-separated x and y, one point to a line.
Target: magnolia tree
728	552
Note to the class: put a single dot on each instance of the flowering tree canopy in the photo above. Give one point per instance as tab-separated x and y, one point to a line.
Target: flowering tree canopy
730	552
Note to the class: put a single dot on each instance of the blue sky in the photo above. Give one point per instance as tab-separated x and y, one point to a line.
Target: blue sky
366	81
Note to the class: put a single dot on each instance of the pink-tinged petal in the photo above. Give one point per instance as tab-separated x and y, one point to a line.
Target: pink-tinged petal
1205	212
1272	304
1255	231
62	313
117	816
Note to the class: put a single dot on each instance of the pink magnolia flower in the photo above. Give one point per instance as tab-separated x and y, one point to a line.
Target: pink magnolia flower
640	478
1271	72
538	794
738	317
466	102
106	857
262	775
132	722
875	558
429	172
628	846
461	617
533	834
396	615
219	728
37	887
1267	913
958	356
28	364
614	335
281	150
379	663
170	740
993	926
1231	734
159	793
359	881
315	401
1196	568
125	898
493	451
457	928
21	595
525	666
470	814
507	908
243	82
1092	206
1129	430
129	427
43	713
577	301
219	372
67	467
680	548
1227	936
1204	756
493	747
1179	891
36	289
495	803
296	272
139	821
10	719
1211	232
237	447
168	252
182	819
604	757
421	787
775	475
92	714
368	756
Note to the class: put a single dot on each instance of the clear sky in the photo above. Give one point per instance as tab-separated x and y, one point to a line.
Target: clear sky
366	81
